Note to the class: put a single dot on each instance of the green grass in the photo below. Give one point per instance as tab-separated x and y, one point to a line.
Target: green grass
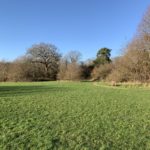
73	116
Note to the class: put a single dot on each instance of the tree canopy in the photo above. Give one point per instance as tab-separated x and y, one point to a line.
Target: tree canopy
47	55
103	56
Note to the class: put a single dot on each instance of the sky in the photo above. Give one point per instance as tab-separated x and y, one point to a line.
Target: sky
82	25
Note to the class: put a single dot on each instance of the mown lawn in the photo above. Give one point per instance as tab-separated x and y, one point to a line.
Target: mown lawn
73	116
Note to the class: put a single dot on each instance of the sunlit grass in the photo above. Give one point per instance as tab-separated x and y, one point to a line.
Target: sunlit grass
63	115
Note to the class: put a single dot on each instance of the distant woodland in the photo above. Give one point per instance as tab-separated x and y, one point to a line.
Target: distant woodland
43	62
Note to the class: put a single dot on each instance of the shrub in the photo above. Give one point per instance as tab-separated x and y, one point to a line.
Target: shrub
101	72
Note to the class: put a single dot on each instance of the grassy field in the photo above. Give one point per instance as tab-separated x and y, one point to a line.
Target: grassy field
73	116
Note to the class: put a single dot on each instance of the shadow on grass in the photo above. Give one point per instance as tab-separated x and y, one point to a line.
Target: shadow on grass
9	91
86	81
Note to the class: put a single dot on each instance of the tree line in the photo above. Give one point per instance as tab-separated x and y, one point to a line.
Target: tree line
43	62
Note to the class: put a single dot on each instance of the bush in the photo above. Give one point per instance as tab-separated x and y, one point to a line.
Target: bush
101	72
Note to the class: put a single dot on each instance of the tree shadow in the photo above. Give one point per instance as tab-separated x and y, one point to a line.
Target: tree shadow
10	91
88	81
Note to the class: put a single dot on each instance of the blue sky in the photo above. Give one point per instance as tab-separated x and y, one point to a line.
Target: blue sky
83	25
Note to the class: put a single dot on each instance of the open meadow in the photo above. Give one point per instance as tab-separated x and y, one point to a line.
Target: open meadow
73	116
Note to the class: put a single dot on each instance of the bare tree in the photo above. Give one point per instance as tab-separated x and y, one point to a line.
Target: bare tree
47	55
144	26
142	36
137	56
63	64
134	65
4	67
69	66
73	56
